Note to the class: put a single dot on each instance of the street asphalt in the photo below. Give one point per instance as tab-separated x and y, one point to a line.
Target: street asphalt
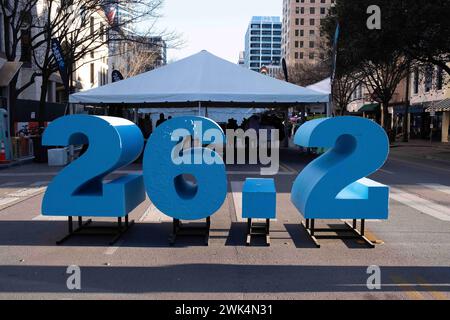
413	250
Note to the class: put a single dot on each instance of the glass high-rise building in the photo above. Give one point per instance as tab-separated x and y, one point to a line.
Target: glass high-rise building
263	43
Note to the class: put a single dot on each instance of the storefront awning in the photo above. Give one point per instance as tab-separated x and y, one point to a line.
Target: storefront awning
370	107
8	71
441	106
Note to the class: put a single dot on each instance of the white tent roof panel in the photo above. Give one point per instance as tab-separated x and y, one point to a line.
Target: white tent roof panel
201	77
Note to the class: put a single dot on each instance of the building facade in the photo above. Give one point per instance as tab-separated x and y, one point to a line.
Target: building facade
302	39
263	43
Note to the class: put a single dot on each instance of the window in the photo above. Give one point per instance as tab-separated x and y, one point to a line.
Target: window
312	22
428	78
1	32
256	26
255	39
276	39
311	44
254	58
439	78
297	33
277	26
276	52
254	64
92	72
312	32
322	11
301	55
301	44
266	39
267	26
255	51
255	32
302	33
311	56
92	26
277	33
312	10
255	45
416	81
266	52
25	47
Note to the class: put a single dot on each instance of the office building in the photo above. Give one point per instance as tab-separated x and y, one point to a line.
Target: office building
302	39
263	43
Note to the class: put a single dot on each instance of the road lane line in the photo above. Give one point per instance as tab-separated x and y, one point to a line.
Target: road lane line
26	192
6	201
40	217
112	250
420	204
431	290
417	165
407	288
236	190
437	187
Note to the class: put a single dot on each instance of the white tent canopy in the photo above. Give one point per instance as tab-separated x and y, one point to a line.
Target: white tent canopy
323	86
202	77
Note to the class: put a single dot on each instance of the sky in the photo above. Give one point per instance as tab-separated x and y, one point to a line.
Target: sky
218	26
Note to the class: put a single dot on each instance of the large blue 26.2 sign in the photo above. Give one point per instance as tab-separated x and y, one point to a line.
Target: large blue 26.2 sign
332	186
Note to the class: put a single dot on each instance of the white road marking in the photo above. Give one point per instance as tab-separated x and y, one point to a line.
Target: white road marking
420	204
386	171
437	187
49	218
236	190
6	201
26	192
111	250
152	214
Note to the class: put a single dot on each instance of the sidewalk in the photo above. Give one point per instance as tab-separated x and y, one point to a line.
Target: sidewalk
423	149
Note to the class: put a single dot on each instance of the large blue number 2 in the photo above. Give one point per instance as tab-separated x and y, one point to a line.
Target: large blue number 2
78	190
333	186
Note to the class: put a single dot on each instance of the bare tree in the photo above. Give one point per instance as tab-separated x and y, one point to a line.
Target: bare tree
343	89
70	22
16	17
382	79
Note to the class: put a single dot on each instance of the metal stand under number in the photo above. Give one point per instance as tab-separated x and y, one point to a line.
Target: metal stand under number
356	234
180	230
86	229
258	229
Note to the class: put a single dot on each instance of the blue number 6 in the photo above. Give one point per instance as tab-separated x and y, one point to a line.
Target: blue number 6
334	185
78	189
